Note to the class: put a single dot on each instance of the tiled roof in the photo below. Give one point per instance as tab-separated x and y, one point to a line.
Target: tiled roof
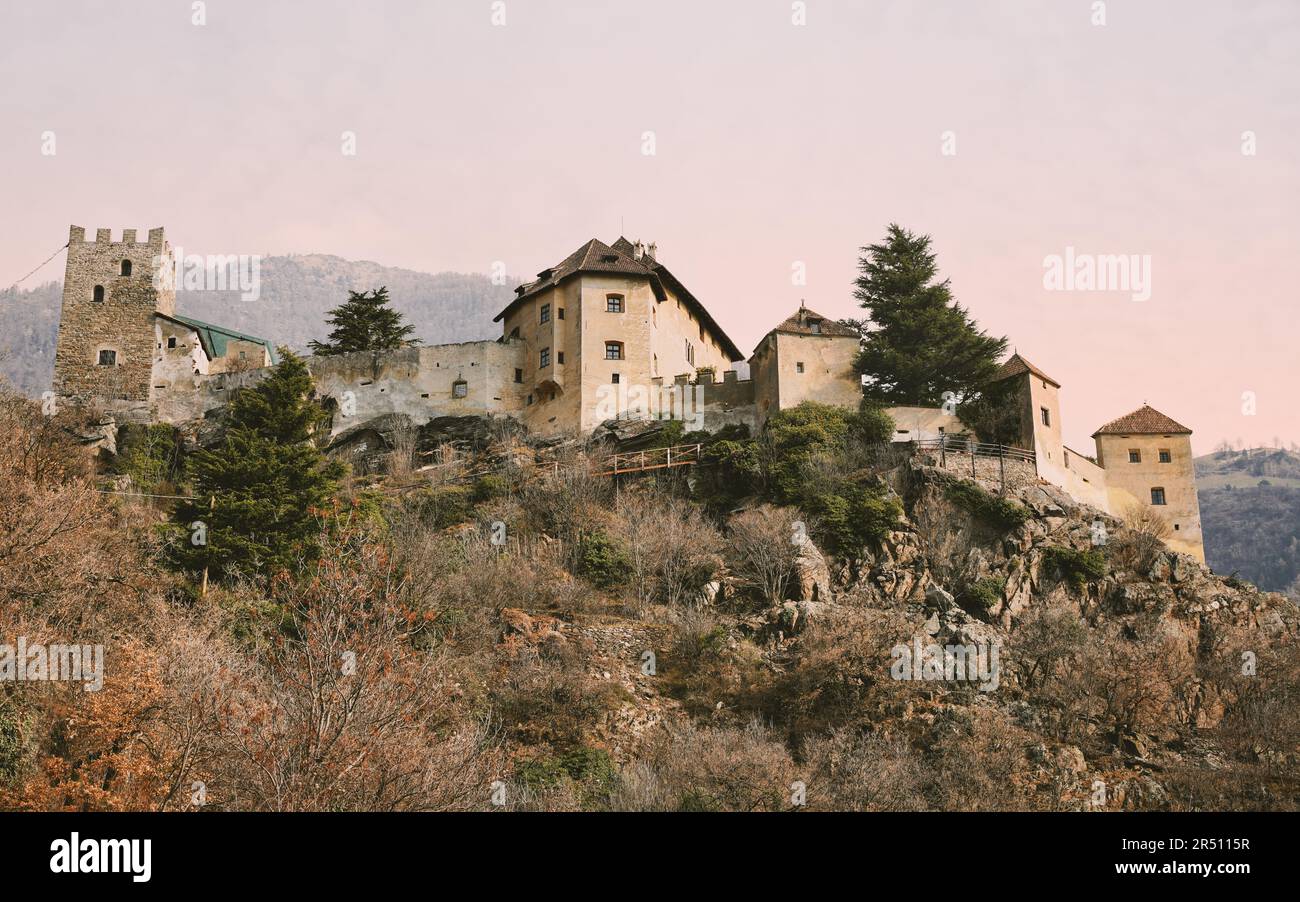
619	258
1146	420
1017	365
214	338
800	323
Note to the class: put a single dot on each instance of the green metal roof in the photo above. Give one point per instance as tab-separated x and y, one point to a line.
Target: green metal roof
214	338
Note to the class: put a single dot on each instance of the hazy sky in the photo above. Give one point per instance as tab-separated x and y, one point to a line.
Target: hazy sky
774	143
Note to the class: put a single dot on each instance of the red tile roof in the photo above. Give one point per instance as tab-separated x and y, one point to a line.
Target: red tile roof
800	323
1017	365
1146	420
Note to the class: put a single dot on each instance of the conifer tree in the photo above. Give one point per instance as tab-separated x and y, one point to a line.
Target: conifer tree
365	322
919	342
258	495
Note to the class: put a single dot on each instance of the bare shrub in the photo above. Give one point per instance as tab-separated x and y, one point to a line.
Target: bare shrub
762	550
673	549
1142	538
849	771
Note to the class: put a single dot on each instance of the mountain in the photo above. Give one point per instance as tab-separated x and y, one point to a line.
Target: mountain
1250	514
296	292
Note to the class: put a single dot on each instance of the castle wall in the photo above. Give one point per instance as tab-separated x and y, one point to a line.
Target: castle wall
421	382
923	423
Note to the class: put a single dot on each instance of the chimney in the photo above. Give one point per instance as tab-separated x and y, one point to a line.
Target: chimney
652	250
638	250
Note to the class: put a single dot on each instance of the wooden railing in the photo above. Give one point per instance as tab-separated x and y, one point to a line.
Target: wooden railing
651	459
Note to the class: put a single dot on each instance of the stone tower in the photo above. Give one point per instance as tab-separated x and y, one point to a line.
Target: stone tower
106	330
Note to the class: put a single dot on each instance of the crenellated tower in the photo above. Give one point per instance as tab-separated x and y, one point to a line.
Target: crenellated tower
111	291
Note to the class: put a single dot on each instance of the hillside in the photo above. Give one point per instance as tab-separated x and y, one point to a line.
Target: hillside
526	636
296	293
1250	514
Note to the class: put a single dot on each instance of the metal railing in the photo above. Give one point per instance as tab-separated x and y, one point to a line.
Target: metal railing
961	445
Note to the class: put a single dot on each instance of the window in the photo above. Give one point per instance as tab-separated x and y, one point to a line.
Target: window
559	313
459	388
108	358
613	350
654	365
1165	456
546	313
798	367
171	341
98	296
1134	456
545	358
613	303
614	379
701	331
514	333
1047	416
654	316
815	326
690	352
126	267
1157	496
519	375
530	400
559	357
242	355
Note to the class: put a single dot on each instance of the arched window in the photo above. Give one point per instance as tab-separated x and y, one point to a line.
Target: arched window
98	296
126	267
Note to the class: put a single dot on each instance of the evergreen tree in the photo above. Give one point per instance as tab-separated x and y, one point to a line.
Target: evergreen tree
920	342
365	323
257	494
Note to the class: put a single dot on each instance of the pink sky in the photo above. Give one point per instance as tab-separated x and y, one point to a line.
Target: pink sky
775	143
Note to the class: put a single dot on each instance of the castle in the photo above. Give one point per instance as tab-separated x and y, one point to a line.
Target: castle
607	332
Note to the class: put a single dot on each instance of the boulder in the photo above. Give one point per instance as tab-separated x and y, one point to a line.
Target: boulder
812	576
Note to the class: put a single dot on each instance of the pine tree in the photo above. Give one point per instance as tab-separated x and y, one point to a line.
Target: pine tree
365	323
920	342
257	496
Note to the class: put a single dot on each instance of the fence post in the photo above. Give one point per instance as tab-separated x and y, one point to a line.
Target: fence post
1002	468
972	448
943	450
668	457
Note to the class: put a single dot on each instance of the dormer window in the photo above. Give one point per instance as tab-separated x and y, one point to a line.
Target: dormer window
815	326
98	295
